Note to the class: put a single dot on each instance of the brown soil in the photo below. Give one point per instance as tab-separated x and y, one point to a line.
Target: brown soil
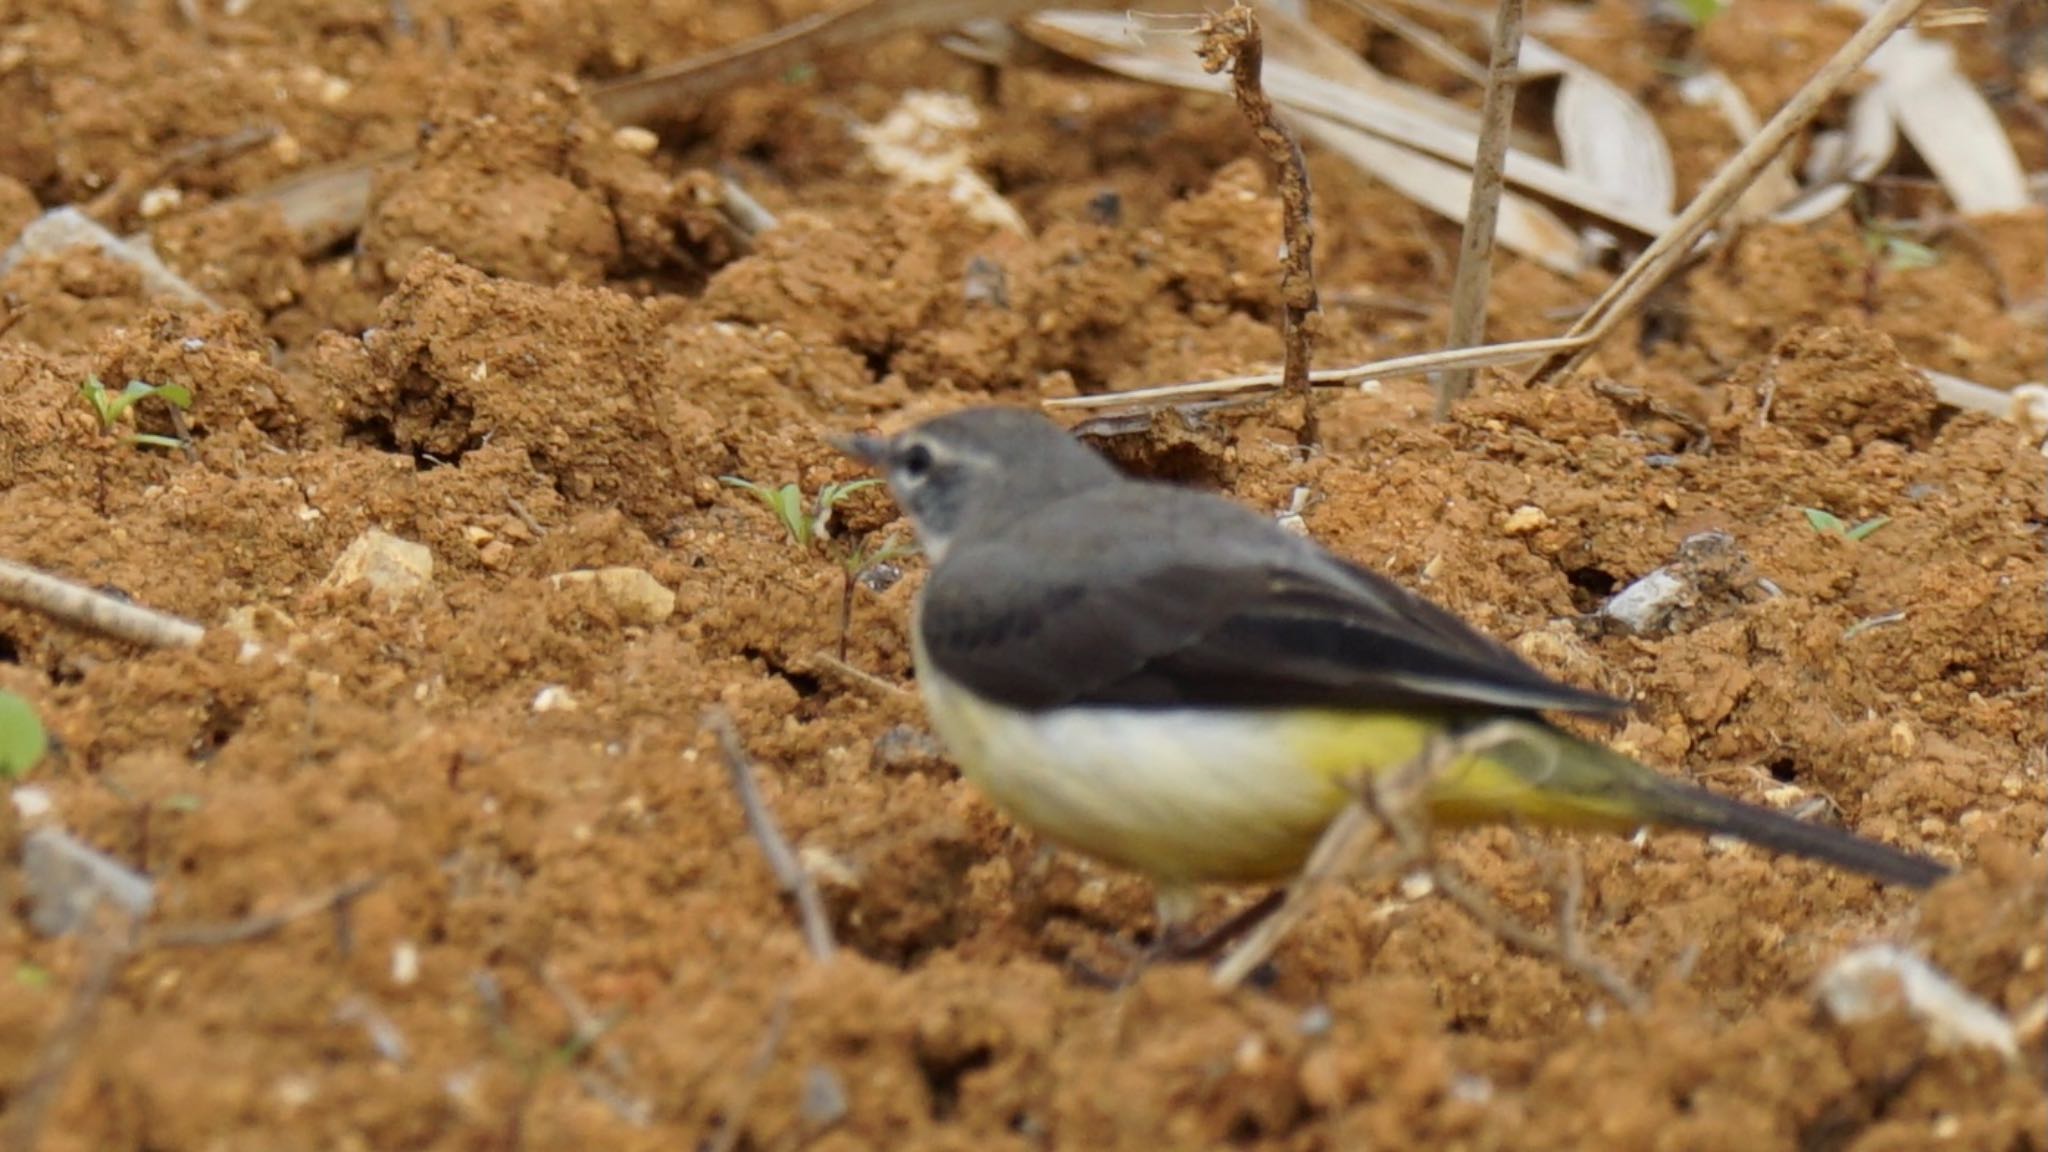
546	349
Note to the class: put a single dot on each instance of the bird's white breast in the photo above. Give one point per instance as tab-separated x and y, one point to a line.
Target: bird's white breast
1180	794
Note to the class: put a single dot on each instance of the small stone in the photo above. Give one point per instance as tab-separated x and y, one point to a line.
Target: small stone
405	963
259	623
32	802
824	1099
639	141
906	749
879	578
1904	742
634	592
392	567
159	201
1524	520
553	698
1315	1021
495	555
1646	605
1883	978
66	879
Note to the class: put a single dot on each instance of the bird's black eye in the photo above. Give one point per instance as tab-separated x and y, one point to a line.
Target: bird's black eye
917	460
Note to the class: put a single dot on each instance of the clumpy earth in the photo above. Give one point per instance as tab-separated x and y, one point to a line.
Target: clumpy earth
546	346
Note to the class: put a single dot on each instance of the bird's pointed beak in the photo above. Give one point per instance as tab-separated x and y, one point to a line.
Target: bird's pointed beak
872	451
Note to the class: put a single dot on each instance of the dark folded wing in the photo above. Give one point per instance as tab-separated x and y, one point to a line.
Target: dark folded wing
1244	620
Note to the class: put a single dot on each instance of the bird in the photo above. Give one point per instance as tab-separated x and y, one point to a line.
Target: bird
1169	682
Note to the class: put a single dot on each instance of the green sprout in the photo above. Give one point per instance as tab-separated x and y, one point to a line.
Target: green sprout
810	528
1698	12
1890	244
806	529
22	738
114	407
1828	524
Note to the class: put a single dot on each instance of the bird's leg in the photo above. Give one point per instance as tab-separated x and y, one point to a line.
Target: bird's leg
1175	941
1209	944
1175	904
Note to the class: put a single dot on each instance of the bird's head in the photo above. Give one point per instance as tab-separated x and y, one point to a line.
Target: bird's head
977	469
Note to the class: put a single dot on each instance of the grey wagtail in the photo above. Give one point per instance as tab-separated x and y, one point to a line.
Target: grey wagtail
1172	683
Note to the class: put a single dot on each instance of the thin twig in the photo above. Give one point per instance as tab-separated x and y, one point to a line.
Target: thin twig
733	1121
114	944
749	219
96	612
867	680
1702	437
589	1032
1422	39
1677	243
1165	396
526	518
789	872
1482	209
263	925
1567	948
1232	41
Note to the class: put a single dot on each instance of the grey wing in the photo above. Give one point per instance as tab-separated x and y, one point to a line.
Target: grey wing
1241	620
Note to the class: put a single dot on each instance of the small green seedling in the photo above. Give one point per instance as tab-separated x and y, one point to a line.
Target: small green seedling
809	529
1897	250
1698	12
806	529
22	738
1828	524
114	407
31	975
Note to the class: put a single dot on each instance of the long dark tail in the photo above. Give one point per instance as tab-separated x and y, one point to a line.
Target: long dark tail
1702	811
1552	777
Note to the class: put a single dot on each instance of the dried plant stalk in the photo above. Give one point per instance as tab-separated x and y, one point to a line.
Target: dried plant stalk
94	612
1475	250
1232	41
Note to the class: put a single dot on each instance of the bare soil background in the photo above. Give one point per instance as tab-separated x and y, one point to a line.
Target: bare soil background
544	351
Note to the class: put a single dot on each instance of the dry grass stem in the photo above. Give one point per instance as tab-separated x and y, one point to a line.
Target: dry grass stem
733	1122
1567	948
336	900
1232	41
1154	399
1677	243
1482	212
37	1092
867	680
96	612
589	1033
789	872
